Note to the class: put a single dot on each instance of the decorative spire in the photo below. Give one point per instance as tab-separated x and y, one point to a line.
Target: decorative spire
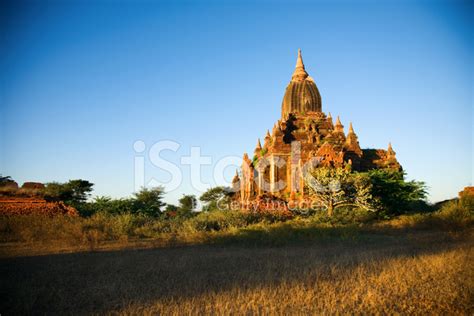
268	134
329	119
339	127
259	145
390	150
351	129
352	144
300	73
236	182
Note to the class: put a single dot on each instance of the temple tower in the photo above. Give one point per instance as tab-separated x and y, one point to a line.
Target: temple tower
304	138
302	95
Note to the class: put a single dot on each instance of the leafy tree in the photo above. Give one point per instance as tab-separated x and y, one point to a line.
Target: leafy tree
6	179
337	187
100	200
55	191
8	186
149	201
72	192
395	194
187	204
80	190
212	196
171	208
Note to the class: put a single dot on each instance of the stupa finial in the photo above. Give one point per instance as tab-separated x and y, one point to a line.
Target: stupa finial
300	73
338	127
351	129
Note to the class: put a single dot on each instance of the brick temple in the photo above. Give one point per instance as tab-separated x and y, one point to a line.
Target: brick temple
304	138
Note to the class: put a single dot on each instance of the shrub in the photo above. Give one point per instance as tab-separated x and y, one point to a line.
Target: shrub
467	201
455	215
217	221
395	194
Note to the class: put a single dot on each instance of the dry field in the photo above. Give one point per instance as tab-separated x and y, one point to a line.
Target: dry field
391	271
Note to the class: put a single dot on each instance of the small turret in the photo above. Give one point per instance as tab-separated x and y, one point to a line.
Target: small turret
276	132
339	127
236	177
351	129
390	152
352	143
236	183
258	148
259	145
246	159
268	139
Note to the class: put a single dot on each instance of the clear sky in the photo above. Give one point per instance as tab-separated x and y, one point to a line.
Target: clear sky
81	81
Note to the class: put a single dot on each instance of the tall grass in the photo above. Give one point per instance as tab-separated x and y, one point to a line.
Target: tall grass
424	272
103	229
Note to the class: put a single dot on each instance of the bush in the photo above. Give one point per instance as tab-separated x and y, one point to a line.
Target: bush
344	216
395	195
217	221
455	215
467	201
451	216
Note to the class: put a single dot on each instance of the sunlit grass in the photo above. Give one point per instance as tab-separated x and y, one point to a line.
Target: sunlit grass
229	264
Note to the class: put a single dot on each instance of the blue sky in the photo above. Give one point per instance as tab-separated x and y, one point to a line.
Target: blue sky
81	81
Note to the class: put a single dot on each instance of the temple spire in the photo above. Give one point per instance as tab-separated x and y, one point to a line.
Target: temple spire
329	119
390	150
299	61
300	73
339	127
351	129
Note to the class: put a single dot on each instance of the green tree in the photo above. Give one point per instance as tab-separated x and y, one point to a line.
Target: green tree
171	208
213	196
149	201
337	187
187	204
80	190
6	179
395	194
72	192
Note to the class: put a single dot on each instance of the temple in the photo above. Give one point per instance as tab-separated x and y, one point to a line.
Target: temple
302	139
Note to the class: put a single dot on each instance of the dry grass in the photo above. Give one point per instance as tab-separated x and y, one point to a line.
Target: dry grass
39	235
409	272
223	264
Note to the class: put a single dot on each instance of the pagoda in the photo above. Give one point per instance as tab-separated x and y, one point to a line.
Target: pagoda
304	138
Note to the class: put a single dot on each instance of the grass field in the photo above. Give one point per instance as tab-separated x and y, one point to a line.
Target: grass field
383	270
